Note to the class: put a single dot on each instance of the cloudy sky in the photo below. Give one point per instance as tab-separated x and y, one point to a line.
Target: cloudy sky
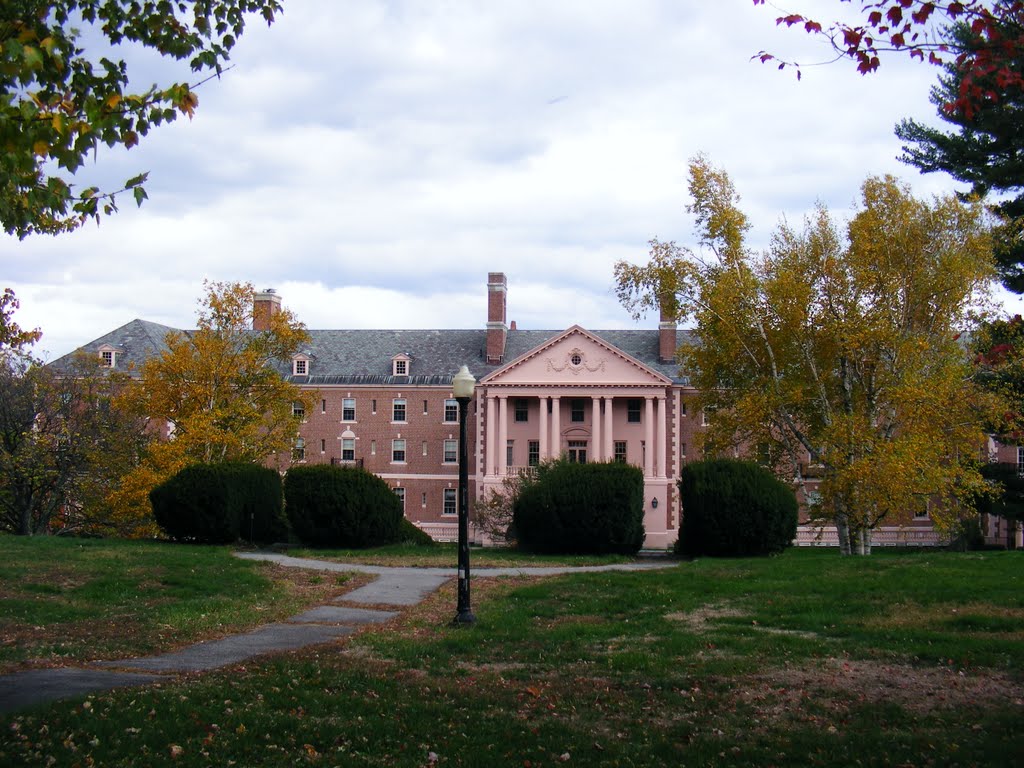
373	160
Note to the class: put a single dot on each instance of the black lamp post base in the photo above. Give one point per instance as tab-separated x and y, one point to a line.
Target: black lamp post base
464	617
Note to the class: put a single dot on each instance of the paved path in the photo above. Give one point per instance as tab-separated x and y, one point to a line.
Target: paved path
396	587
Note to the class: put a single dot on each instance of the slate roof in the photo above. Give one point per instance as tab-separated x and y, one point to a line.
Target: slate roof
363	357
135	342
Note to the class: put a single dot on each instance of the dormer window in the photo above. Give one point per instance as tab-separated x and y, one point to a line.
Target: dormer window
400	365
108	357
300	366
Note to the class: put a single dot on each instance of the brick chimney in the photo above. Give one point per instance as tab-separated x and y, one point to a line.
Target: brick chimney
497	330
264	306
667	344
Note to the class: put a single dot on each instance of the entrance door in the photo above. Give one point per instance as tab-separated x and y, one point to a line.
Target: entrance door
578	451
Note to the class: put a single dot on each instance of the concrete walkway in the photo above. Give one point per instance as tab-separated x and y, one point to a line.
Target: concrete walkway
397	587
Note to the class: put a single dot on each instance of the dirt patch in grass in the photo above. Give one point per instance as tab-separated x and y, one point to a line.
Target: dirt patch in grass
966	617
847	683
701	619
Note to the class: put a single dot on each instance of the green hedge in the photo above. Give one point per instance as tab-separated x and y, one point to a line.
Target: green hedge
331	506
221	503
734	508
581	508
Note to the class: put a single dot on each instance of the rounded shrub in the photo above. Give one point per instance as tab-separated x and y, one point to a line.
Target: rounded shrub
257	496
410	533
581	509
734	508
331	506
220	503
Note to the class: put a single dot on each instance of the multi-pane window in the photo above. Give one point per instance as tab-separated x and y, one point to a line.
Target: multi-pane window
578	451
398	410
425	403
348	409
400	493
451	410
300	367
299	451
522	406
620	451
323	406
348	449
576	409
533	453
108	358
633	408
449	502
298	410
398	450
451	451
509	453
401	367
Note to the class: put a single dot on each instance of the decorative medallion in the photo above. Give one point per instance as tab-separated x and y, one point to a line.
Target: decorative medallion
575	362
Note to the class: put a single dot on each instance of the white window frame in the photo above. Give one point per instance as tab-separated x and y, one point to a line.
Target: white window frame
345	415
451	411
451	451
348	444
395	450
396	403
450	502
300	366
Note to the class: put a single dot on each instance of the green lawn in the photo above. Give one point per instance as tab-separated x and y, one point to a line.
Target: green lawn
64	601
900	659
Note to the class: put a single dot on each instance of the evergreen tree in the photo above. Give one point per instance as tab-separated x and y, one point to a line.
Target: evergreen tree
985	149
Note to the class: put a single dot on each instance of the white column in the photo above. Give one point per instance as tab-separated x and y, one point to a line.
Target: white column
556	426
478	448
648	437
661	438
609	439
543	428
595	428
492	434
502	435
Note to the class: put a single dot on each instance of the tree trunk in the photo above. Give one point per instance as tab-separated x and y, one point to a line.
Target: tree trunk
843	529
858	542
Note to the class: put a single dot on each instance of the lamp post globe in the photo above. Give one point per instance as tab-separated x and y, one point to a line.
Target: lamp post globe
463	385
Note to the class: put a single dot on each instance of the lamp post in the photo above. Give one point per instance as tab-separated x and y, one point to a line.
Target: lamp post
463	385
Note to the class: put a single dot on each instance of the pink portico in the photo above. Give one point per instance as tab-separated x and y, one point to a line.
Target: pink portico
580	397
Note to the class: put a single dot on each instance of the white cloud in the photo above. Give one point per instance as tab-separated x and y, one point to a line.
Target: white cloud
373	161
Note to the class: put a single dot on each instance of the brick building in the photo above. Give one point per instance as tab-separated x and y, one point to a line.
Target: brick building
384	401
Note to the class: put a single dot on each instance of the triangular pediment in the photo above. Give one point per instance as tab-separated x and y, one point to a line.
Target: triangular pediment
576	357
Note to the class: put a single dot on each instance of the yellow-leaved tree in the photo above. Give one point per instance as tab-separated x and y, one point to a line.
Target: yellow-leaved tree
835	350
219	390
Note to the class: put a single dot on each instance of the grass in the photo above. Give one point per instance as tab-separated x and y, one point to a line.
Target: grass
446	554
805	659
66	601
